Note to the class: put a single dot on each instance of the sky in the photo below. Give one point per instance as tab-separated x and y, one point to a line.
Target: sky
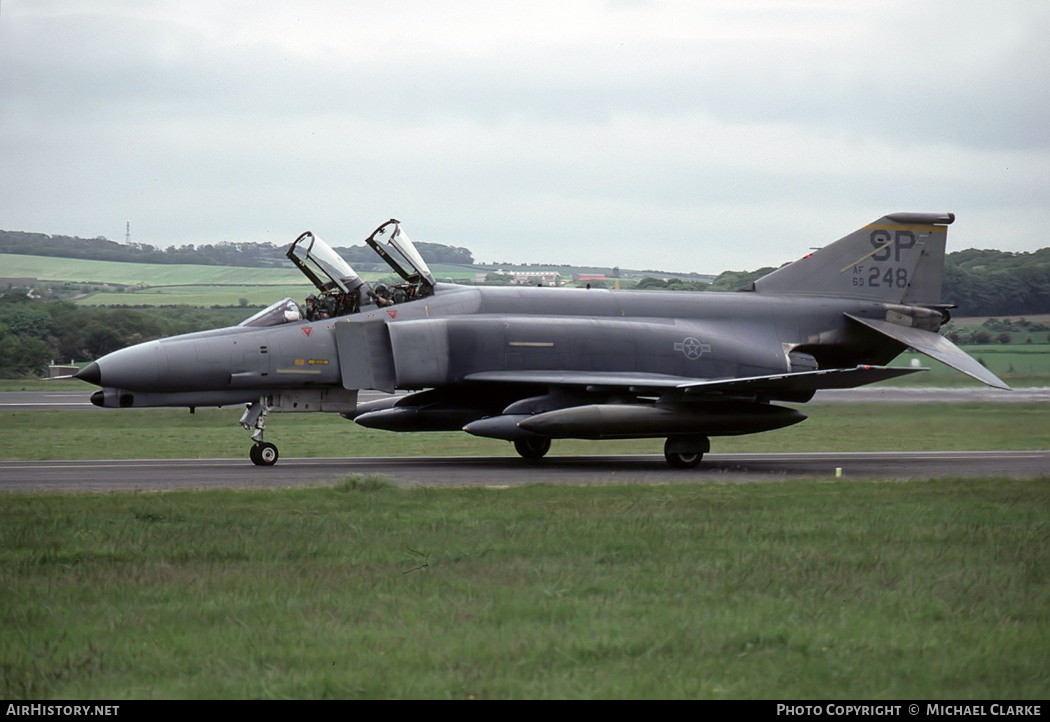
687	136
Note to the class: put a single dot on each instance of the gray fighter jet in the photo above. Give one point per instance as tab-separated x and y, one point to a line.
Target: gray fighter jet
531	364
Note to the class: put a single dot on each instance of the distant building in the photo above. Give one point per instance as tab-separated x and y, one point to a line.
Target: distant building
536	278
522	278
588	277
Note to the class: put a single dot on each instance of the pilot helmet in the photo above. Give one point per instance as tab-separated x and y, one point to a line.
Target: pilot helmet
381	289
311	298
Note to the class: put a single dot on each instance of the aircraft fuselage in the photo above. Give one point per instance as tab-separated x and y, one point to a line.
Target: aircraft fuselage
488	329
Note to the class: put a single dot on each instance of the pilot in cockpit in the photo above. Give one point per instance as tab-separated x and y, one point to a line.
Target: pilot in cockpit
381	295
313	308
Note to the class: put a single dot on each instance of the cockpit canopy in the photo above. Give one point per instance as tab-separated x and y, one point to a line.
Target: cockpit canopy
322	265
277	313
341	290
390	242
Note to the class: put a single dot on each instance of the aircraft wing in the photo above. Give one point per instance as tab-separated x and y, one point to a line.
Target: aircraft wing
798	383
786	386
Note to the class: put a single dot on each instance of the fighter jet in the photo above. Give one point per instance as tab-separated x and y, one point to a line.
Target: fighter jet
532	364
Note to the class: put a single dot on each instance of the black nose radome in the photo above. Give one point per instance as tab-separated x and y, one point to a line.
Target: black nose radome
90	373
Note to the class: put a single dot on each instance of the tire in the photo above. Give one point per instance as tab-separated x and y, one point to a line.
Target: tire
263	454
678	460
532	448
682	459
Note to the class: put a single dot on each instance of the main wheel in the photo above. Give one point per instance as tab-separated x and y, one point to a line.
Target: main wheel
532	448
263	454
678	460
682	458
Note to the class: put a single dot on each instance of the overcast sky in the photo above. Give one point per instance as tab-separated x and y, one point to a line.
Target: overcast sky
690	136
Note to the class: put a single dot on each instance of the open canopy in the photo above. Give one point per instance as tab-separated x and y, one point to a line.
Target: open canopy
322	265
341	290
390	242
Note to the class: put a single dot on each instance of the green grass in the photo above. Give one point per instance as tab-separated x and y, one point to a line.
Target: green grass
796	590
115	272
1018	365
35	384
258	296
214	433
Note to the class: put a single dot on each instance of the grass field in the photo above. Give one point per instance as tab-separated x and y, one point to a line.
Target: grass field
793	591
800	590
190	295
214	433
159	284
1016	364
126	274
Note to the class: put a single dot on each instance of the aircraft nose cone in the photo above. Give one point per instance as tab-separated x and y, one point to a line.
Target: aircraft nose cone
90	373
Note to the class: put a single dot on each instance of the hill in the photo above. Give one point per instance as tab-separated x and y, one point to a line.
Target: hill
250	255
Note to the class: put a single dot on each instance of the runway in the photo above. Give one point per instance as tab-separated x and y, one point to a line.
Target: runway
171	474
166	474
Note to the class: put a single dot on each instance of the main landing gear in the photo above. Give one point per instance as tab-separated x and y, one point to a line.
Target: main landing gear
681	452
532	448
253	419
685	452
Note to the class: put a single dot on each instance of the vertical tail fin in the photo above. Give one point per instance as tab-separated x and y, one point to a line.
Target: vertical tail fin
897	259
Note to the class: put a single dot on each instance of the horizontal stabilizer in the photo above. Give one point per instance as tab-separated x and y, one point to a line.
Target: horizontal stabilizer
935	346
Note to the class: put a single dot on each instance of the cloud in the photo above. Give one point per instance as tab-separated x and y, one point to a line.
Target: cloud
693	136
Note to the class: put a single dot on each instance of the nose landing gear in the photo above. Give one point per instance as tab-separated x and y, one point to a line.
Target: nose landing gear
263	453
253	419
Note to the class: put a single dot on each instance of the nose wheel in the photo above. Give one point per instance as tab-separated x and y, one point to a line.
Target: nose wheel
263	453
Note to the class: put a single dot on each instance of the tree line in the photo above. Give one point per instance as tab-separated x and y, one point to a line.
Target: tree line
998	283
977	282
34	332
251	255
